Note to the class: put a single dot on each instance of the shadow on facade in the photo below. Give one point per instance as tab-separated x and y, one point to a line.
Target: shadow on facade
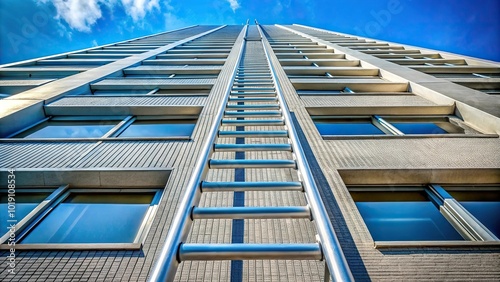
340	226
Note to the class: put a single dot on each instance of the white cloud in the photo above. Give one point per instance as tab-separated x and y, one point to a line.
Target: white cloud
172	21
94	43
83	14
137	9
79	14
234	4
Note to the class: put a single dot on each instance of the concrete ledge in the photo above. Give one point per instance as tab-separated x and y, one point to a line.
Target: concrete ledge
420	176
139	110
100	139
408	136
439	244
367	85
18	114
89	178
382	110
75	247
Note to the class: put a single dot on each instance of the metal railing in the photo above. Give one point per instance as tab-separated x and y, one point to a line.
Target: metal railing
332	252
166	265
174	251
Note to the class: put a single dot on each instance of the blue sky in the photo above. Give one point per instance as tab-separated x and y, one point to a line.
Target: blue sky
35	28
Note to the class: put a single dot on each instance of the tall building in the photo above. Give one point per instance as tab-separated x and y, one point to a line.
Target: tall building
250	153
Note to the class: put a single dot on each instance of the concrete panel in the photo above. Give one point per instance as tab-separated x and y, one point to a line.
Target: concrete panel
419	176
89	178
150	177
123	110
18	114
381	110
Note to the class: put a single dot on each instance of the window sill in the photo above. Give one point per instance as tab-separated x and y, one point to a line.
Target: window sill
441	244
358	94
89	246
412	136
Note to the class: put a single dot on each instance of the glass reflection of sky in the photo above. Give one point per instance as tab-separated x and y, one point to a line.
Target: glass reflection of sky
157	129
406	221
101	221
22	209
351	128
486	212
24	205
55	129
418	128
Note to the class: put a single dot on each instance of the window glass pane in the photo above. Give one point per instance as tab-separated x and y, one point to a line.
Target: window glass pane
485	206
93	218
348	128
418	128
406	220
159	128
24	204
69	129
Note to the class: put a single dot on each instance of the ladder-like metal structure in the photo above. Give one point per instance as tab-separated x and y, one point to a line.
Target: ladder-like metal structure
253	99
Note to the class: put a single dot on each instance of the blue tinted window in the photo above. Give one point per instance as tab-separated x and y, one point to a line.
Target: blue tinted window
348	128
400	216
418	128
486	212
70	129
24	204
93	218
483	205
158	128
406	221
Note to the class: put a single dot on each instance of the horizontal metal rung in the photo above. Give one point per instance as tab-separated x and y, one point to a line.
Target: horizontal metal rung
252	147
254	80
253	107
258	134
250	252
255	93
253	113
265	122
249	94
252	88
255	99
252	94
245	76
253	73
251	186
250	84
250	212
254	69
252	164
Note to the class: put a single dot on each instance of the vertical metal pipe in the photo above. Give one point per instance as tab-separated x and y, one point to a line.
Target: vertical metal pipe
166	264
335	260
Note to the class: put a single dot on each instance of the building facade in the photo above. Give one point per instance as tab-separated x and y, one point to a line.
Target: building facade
250	153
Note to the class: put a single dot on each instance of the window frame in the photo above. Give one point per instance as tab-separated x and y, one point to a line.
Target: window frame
384	123
122	124
29	223
28	219
469	227
457	212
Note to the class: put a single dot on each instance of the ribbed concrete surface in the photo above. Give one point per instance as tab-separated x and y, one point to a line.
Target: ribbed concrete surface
128	101
367	263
